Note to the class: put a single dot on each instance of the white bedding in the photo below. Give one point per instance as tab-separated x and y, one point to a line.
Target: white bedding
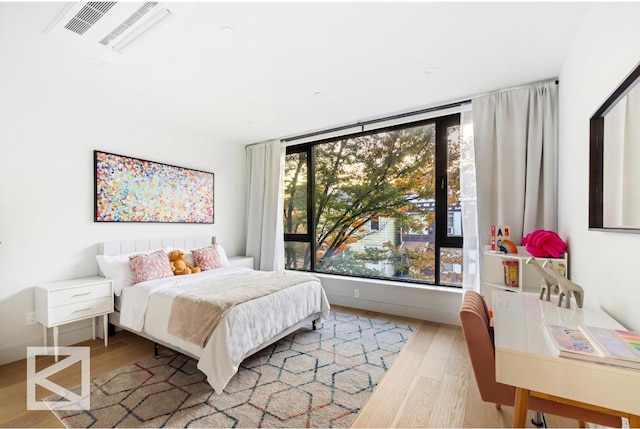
145	307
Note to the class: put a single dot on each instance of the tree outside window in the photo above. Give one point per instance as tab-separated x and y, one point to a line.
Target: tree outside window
382	204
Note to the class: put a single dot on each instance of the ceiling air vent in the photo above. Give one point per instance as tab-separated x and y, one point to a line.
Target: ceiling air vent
109	26
128	23
87	16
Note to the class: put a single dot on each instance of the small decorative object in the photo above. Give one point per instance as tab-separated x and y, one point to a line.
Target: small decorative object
498	234
547	281
508	246
179	266
567	288
510	272
543	244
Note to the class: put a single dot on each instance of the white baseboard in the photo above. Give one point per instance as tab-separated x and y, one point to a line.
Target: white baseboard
19	351
398	310
433	303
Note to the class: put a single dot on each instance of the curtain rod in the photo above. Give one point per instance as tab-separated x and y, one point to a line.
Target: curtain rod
556	81
405	115
374	121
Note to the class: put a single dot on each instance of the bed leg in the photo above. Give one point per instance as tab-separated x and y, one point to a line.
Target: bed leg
155	349
313	325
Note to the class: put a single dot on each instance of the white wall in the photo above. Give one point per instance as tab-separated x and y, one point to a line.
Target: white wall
436	304
49	129
605	264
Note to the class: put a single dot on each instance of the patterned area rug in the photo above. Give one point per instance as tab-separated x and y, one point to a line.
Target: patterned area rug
310	378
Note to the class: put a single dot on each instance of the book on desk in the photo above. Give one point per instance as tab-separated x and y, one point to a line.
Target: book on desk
609	346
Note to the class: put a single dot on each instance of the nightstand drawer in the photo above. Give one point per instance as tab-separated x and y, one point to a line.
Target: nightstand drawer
79	310
78	294
241	261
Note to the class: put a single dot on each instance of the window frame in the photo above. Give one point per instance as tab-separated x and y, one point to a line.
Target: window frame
374	221
442	239
306	148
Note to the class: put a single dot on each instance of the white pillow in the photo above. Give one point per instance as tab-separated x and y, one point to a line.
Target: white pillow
223	256
118	269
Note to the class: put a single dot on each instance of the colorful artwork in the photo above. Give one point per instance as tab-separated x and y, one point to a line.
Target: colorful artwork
571	340
134	190
631	338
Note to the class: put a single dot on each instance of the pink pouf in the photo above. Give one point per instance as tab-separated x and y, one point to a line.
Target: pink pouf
542	244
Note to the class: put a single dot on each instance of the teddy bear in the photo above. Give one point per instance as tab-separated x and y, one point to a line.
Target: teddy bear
179	266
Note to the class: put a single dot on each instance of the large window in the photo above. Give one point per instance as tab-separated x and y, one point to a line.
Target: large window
382	204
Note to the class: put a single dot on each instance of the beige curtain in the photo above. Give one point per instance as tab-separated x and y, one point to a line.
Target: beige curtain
515	137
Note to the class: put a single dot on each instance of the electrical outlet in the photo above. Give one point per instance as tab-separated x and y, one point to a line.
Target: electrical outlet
356	293
31	318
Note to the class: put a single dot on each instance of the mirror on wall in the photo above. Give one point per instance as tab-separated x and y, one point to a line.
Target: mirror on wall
614	172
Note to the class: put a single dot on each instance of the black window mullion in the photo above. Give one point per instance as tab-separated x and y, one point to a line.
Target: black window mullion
442	238
296	237
441	193
308	237
311	205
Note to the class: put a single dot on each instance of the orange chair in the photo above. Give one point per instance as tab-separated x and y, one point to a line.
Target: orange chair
478	334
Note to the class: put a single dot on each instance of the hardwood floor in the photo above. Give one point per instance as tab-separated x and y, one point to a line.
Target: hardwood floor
431	383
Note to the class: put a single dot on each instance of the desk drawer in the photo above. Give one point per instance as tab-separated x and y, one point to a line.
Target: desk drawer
80	310
78	294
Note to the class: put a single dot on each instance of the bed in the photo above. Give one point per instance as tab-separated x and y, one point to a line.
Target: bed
149	308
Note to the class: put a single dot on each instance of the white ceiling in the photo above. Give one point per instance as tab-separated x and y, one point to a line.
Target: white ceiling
368	59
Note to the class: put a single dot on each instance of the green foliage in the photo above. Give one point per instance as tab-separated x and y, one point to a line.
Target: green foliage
367	176
348	262
295	210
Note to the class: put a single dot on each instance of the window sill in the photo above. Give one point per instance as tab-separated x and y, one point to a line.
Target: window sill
446	289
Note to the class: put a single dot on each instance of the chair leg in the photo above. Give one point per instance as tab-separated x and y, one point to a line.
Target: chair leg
581	424
538	420
498	406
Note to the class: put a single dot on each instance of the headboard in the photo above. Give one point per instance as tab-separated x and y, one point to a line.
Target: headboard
121	247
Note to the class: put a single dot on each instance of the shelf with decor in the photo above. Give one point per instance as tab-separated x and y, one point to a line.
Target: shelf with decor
510	271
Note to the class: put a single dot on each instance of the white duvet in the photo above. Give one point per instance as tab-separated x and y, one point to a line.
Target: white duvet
145	307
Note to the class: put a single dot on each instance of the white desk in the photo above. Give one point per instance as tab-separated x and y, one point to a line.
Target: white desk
526	360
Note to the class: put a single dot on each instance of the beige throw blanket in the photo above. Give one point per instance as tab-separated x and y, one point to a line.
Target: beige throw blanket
195	314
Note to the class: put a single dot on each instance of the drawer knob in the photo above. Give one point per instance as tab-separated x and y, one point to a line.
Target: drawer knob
81	294
82	309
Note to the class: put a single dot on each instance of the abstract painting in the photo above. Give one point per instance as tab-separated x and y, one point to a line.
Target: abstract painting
135	190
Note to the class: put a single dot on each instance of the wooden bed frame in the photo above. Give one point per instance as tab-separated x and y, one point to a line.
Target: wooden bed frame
187	243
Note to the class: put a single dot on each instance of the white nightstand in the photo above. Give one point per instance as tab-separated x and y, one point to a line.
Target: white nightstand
68	301
241	261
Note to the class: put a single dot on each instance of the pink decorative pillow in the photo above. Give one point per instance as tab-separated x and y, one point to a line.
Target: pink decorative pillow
207	258
150	267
